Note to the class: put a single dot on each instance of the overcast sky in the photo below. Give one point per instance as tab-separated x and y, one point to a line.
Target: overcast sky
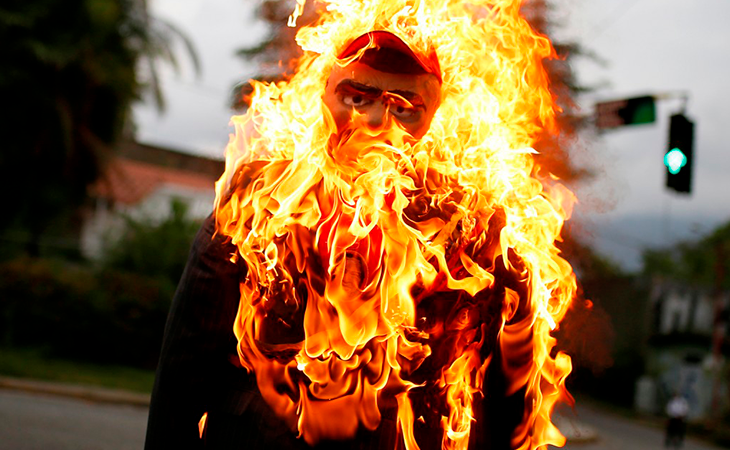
652	47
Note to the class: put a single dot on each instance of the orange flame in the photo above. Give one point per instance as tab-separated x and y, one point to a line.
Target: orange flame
201	424
373	272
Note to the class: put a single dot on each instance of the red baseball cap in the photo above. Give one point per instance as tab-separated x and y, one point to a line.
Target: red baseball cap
382	39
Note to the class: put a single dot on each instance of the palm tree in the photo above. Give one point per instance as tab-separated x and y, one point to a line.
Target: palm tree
69	77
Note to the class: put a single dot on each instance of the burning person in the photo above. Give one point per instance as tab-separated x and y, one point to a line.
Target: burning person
380	269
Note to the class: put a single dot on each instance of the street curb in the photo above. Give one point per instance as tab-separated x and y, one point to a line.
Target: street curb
96	394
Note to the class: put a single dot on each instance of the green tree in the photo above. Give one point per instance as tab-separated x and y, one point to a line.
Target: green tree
157	250
69	75
607	345
704	262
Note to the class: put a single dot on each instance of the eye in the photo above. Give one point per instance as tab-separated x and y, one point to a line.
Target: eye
402	111
355	100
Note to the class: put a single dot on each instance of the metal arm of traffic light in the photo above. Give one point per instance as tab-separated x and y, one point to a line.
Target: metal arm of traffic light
633	111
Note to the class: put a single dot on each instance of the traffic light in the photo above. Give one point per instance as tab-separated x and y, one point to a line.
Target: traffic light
678	158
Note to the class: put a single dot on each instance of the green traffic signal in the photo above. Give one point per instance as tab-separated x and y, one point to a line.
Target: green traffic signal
675	159
679	156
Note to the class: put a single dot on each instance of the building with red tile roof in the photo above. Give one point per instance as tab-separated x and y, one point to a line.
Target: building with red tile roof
142	181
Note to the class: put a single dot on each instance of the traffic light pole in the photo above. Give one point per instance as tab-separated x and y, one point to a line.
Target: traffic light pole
718	331
667	218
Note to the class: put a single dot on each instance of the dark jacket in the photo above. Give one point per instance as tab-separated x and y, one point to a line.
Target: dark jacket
199	370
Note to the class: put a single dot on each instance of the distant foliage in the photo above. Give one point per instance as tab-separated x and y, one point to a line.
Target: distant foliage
113	314
155	249
605	343
71	70
75	312
705	262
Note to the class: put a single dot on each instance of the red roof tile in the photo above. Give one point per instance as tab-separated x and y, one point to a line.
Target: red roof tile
129	182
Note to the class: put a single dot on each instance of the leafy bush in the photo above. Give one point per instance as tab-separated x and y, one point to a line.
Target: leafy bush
113	315
75	312
154	249
694	262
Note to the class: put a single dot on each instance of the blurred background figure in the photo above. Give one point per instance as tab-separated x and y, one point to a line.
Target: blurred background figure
677	410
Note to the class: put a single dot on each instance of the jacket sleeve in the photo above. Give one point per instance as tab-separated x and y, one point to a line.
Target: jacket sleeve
198	357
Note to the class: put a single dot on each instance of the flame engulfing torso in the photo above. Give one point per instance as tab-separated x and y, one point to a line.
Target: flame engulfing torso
384	277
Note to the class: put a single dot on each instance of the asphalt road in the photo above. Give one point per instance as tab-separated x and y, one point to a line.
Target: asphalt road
613	432
43	422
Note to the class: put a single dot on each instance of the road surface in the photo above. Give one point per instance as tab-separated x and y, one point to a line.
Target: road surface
41	422
614	432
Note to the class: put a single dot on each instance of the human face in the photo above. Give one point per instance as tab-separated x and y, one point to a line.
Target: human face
381	99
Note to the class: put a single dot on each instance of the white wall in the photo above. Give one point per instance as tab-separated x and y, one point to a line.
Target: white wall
106	223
